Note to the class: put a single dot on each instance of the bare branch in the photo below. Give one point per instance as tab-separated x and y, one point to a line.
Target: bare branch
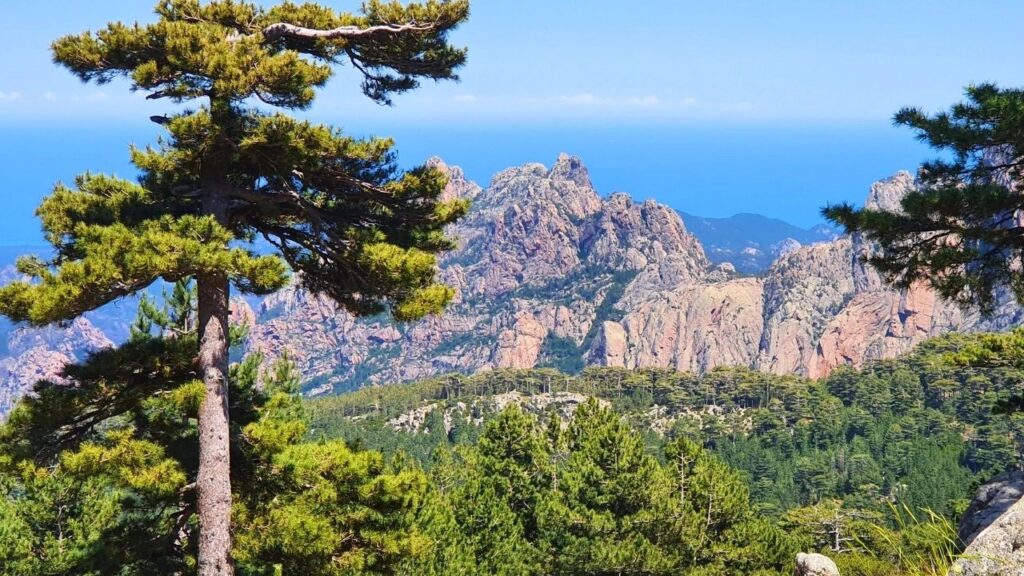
284	30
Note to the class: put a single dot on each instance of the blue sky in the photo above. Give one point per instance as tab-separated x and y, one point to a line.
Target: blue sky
797	67
726	60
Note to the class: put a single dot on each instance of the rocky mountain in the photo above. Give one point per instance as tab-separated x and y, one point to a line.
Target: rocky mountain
28	355
752	242
550	273
991	528
542	261
31	355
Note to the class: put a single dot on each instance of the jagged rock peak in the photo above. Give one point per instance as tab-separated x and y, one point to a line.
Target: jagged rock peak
571	168
459	187
627	235
565	187
888	193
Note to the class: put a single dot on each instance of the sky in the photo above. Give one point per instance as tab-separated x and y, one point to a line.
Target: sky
712	107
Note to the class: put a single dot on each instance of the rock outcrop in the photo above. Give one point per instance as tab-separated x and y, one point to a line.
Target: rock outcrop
35	354
547	272
992	530
695	327
815	565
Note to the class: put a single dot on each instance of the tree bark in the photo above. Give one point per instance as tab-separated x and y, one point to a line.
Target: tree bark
214	481
285	30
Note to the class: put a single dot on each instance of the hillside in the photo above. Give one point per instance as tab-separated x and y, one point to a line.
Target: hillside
874	467
920	430
549	273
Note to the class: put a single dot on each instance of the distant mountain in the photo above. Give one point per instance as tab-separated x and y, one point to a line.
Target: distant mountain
549	273
751	242
31	354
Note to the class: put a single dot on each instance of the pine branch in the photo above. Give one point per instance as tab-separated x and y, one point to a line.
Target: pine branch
282	30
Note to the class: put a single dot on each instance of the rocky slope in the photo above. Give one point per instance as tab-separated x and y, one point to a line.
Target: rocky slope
991	530
40	354
550	273
542	260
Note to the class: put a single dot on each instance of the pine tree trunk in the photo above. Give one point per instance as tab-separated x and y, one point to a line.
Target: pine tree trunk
214	482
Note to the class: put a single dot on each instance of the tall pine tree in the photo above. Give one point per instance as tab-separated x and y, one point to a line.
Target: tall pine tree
960	231
336	209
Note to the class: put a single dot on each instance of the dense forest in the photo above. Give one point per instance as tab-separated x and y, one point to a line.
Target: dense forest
865	436
835	462
510	472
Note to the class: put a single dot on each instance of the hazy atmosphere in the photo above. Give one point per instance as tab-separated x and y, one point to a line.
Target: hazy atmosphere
512	288
661	103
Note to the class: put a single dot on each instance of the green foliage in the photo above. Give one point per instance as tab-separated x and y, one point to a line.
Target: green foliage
325	509
748	470
233	49
337	209
958	232
117	497
531	498
820	460
99	263
175	317
562	354
605	518
97	473
911	544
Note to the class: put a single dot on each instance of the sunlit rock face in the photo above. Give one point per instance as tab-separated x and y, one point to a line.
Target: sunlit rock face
542	262
991	528
548	272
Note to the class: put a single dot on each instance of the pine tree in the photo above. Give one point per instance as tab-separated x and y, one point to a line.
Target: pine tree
114	492
494	493
515	459
960	231
335	208
613	502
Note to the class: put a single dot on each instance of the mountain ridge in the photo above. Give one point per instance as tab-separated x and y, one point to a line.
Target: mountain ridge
752	242
548	272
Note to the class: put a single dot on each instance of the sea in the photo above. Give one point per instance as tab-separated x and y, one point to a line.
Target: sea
786	170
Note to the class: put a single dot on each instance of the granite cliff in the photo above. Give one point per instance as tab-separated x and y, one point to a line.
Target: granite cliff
33	354
550	273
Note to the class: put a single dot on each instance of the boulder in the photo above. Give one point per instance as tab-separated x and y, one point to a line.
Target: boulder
815	565
992	530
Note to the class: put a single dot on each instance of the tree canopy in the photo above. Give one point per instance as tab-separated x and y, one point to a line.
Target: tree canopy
336	210
960	230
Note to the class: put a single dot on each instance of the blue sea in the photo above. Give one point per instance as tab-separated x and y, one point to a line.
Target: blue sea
782	170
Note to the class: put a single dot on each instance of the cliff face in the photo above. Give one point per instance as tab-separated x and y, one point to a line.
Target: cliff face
34	354
549	273
542	261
